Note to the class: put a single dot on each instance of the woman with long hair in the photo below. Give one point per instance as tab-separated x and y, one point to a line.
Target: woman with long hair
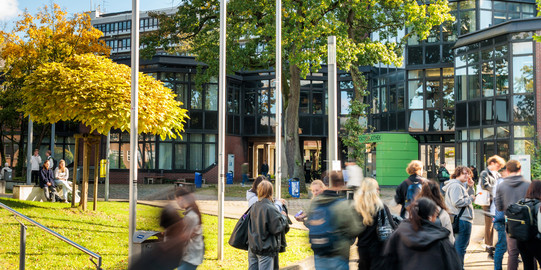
419	243
265	230
195	250
532	248
61	174
252	198
431	190
371	209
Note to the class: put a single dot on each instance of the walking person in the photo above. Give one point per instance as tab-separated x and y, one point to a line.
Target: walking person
443	175
499	225
35	162
511	190
431	190
409	188
487	181
46	182
418	243
371	211
265	169
333	226
61	175
195	249
460	204
244	170
266	226
532	248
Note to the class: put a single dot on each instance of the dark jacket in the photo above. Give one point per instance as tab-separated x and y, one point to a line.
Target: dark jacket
442	178
488	180
46	176
511	190
266	226
346	220
428	248
402	190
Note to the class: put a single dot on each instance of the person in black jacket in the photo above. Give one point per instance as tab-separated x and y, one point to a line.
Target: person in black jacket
46	182
531	249
371	210
419	243
415	170
266	226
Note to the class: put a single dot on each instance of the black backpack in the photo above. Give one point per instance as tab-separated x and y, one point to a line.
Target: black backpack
322	230
521	219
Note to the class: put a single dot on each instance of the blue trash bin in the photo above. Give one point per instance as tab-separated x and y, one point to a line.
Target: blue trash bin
198	180
294	187
229	177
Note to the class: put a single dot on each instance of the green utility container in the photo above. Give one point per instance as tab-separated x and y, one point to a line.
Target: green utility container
393	152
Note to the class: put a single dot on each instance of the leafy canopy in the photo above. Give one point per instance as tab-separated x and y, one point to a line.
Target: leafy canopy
96	91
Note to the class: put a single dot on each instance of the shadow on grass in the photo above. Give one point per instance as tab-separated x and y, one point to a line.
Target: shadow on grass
78	221
13	203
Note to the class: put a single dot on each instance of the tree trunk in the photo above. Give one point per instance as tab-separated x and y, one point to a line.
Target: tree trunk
22	150
291	132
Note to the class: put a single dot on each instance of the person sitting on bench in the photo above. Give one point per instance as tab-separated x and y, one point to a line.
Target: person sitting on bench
46	182
61	175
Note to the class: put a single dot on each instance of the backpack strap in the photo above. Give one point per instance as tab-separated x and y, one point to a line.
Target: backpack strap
461	212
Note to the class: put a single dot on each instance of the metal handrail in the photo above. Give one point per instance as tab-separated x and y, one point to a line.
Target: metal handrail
61	237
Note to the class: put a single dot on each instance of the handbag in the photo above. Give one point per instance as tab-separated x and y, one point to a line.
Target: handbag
385	227
456	220
483	196
239	236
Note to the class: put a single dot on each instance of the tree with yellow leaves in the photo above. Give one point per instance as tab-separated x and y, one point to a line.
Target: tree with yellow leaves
49	36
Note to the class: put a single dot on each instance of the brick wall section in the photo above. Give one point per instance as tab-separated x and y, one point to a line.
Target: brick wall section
538	84
234	145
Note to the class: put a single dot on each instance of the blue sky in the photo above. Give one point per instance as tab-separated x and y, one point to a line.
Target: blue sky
9	9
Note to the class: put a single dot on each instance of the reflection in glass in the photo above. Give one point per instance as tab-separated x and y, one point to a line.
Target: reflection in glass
523	47
416	121
210	154
250	101
501	110
317	102
432	54
501	51
180	156
415	74
474	113
474	90
211	98
196	156
503	149
502	132
486	18
523	74
166	156
415	55
433	120
197	97
415	94
502	77
114	156
433	94
524	147
523	107
461	84
488	113
392	98
488	133
400	96
524	131
448	120
383	97
467	22
304	102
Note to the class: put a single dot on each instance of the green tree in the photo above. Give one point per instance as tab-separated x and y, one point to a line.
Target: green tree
49	36
305	27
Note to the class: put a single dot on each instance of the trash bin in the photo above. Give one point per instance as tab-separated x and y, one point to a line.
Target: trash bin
7	175
294	187
229	177
198	180
144	242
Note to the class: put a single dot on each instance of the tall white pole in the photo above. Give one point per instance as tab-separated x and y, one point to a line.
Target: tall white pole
278	96
29	151
221	129
333	128
134	129
53	132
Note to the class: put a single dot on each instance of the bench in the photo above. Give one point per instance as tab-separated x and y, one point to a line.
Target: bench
153	178
184	184
34	193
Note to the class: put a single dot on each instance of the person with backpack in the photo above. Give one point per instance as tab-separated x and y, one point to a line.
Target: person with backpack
460	204
409	188
499	226
511	190
431	190
333	225
487	180
443	175
419	243
266	226
531	248
379	225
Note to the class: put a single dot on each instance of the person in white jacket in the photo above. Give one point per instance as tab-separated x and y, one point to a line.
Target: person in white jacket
61	175
35	162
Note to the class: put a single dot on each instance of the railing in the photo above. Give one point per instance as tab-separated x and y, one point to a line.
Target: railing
61	237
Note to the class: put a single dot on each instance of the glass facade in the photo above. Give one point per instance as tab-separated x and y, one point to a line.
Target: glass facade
495	102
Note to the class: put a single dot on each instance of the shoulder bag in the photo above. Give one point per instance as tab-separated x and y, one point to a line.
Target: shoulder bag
239	236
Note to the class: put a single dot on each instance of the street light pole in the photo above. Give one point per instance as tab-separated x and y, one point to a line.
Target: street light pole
221	128
333	128
29	151
133	125
278	95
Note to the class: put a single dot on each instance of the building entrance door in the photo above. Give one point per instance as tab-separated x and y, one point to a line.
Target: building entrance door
432	155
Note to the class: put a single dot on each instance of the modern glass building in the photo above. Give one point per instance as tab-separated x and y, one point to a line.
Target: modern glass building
469	91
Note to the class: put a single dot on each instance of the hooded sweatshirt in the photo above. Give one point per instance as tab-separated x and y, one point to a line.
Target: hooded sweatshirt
428	248
456	197
511	190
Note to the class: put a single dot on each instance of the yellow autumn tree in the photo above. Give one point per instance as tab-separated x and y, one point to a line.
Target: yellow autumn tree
96	91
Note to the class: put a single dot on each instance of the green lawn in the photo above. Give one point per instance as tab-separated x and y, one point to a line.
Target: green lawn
106	233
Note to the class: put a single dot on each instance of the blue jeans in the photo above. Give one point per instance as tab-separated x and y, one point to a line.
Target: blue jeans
330	263
462	239
260	262
186	266
244	178
501	245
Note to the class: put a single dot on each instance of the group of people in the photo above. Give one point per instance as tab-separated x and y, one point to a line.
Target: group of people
49	178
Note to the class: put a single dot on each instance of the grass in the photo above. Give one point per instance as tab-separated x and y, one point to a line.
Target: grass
106	233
